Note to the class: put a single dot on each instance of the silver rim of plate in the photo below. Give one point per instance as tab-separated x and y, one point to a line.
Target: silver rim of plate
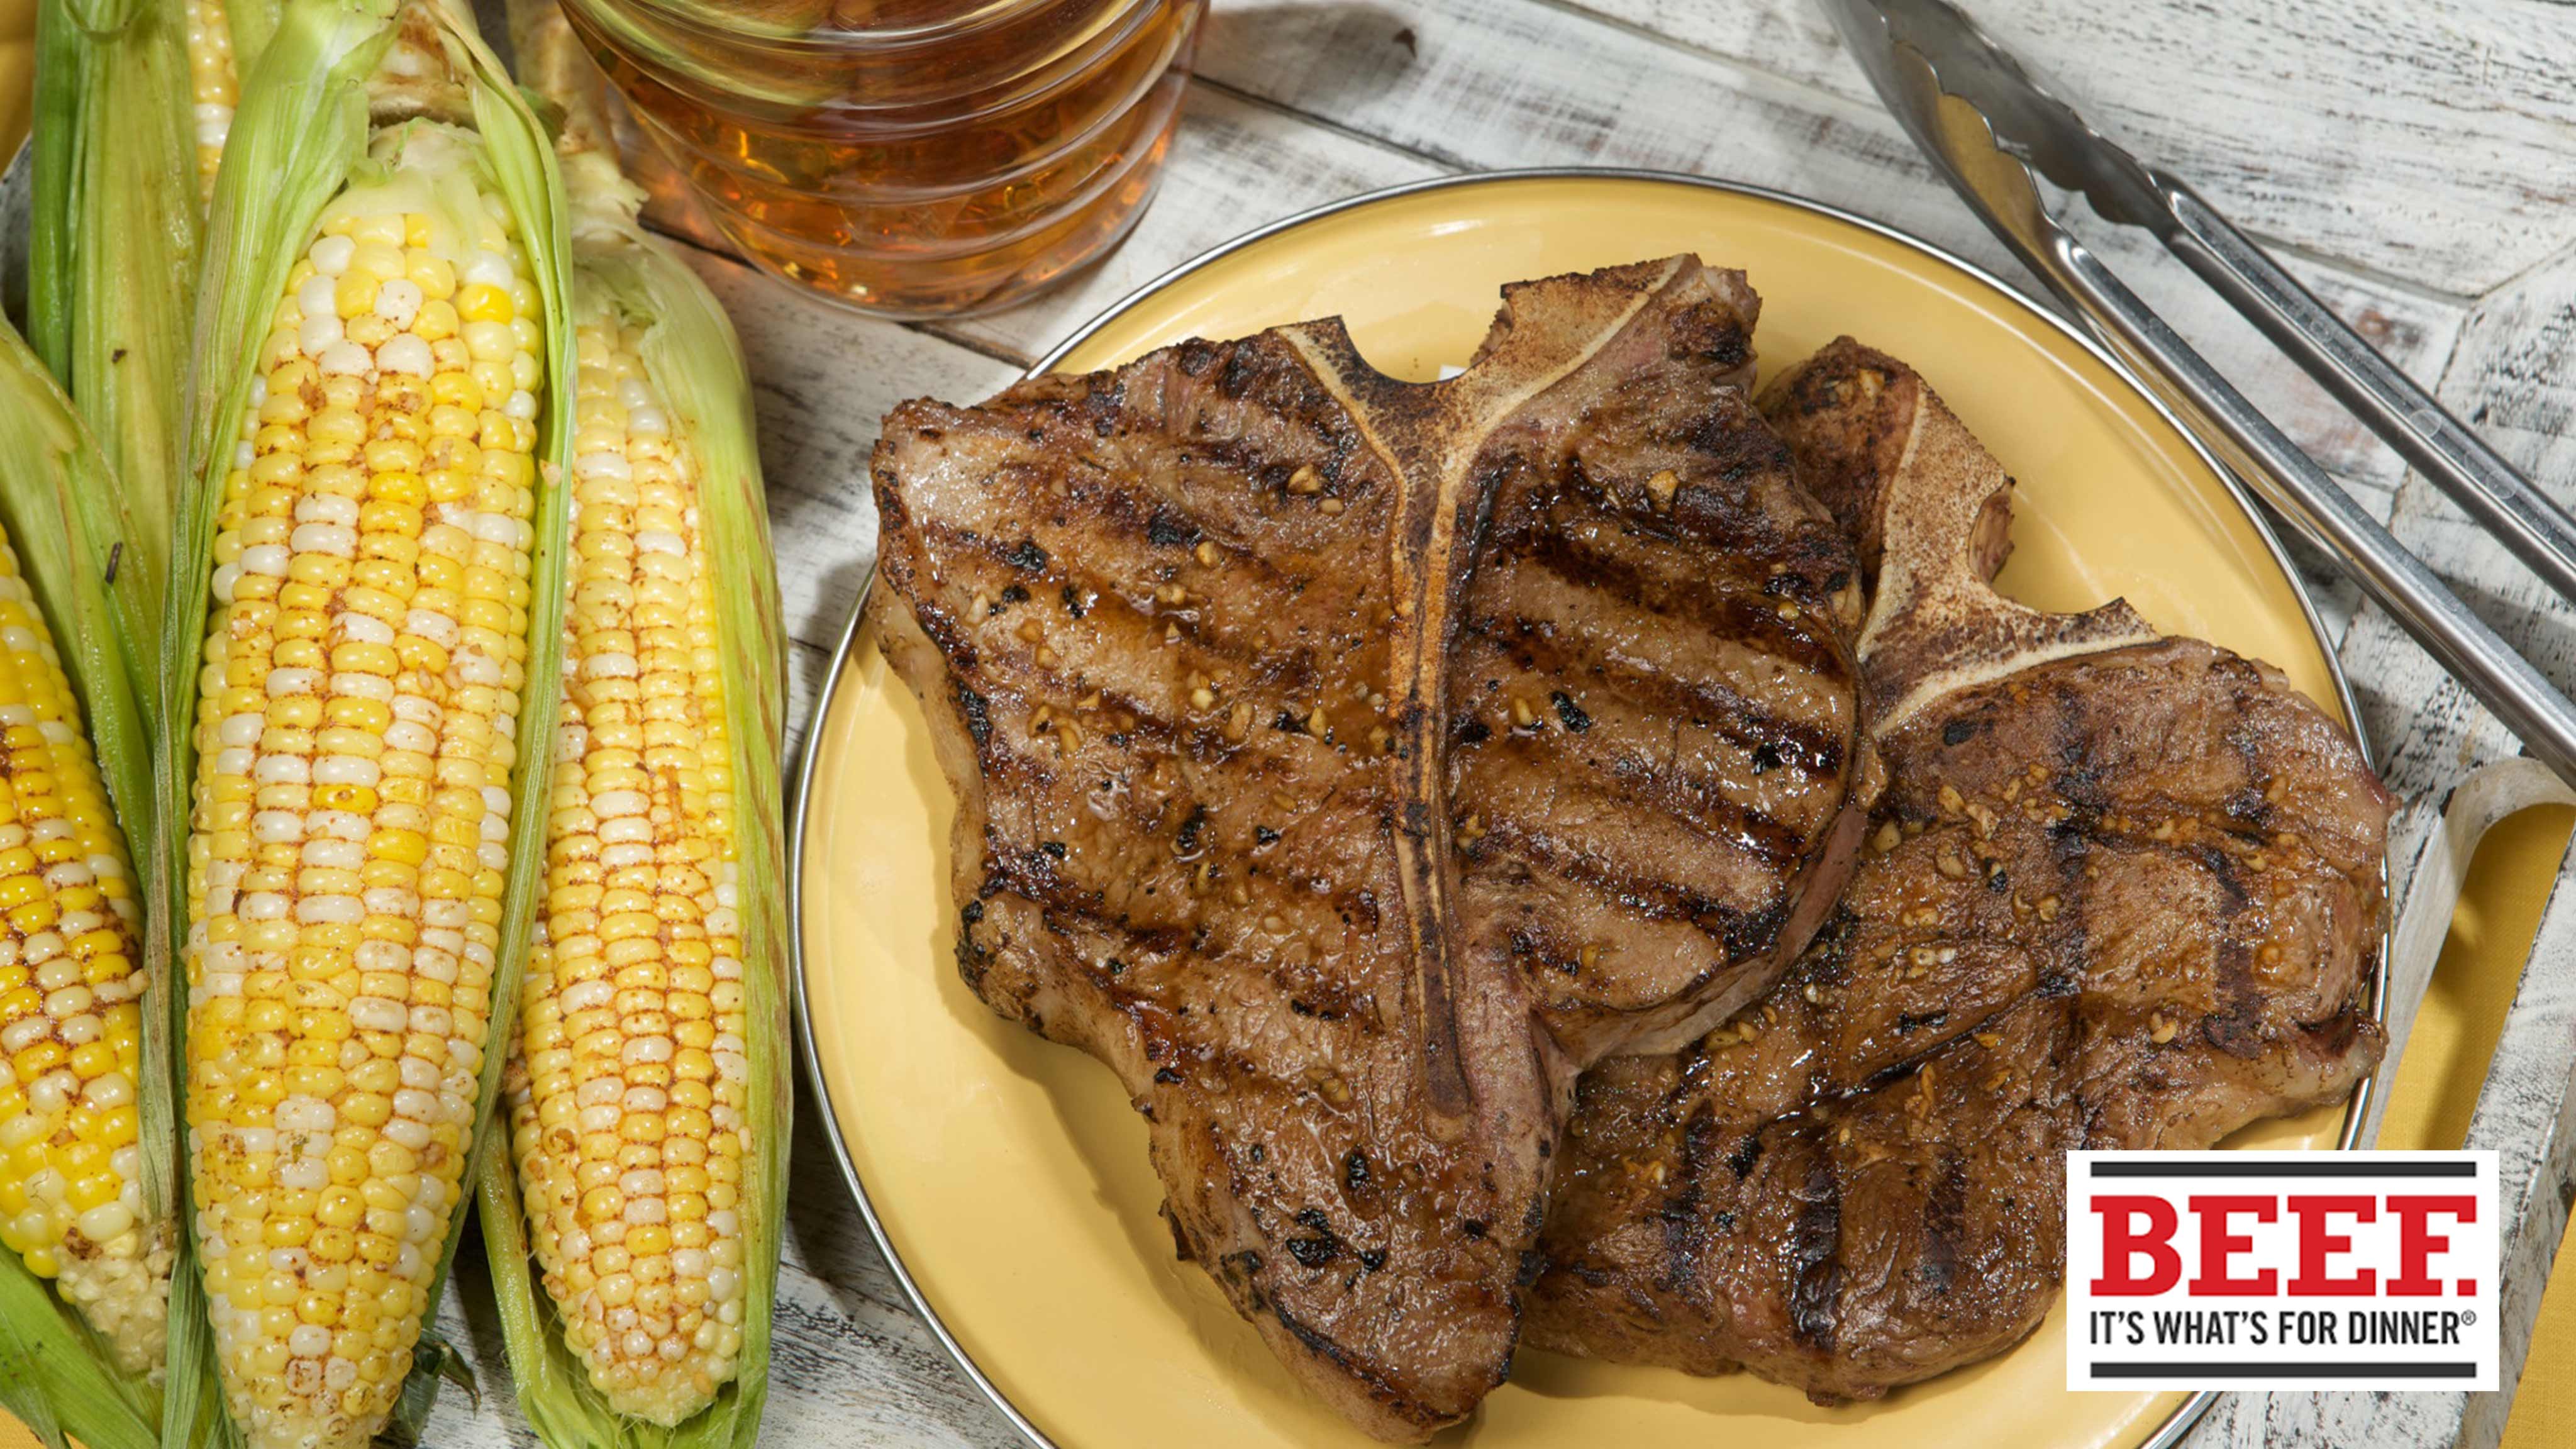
2169	1433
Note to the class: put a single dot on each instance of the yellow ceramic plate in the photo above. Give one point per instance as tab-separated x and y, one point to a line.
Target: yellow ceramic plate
1007	1176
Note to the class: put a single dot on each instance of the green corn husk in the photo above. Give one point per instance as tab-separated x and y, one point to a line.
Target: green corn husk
114	238
301	134
58	501
251	23
57	504
690	352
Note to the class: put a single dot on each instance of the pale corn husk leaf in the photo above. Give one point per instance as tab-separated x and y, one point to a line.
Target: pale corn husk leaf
553	1389
301	132
113	252
113	260
56	1377
56	503
250	23
434	1363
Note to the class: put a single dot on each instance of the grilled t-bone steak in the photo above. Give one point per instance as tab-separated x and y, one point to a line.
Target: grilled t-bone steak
2120	891
1188	635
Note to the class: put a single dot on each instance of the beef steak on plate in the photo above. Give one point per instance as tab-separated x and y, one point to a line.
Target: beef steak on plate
2119	891
1270	687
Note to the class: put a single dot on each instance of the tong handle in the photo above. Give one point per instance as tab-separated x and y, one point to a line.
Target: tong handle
2301	492
2438	445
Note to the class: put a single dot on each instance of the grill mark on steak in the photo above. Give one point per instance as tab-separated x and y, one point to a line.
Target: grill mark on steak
1945	1215
1208	607
1597	780
2121	892
1707	703
1685	1233
1649	897
1815	1245
1755	622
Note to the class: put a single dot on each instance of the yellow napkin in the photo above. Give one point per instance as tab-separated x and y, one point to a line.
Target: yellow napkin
2445	1061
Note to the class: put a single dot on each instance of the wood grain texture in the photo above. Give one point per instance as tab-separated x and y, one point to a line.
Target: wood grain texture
2514	376
820	381
1445	80
2426	139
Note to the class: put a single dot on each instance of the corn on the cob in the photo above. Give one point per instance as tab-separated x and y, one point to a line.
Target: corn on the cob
357	734
366	665
71	1007
84	1152
631	1137
645	1100
72	1201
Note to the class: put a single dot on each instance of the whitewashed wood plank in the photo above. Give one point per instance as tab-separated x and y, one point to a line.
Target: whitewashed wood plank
1448	79
2509	375
2423	138
822	378
2514	375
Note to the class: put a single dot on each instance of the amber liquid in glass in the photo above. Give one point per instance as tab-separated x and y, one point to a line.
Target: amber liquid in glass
913	158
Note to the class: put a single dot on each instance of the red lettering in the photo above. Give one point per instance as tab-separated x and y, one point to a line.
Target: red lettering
2316	1244
2123	1245
2417	1242
2218	1244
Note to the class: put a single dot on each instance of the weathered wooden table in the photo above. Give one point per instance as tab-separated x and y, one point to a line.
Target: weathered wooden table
2414	160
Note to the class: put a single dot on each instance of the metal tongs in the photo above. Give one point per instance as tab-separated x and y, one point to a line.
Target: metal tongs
1987	126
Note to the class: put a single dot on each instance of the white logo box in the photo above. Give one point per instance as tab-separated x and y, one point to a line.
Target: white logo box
2266	1271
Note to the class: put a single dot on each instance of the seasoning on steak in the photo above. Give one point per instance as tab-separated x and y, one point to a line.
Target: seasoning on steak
2119	892
1189	638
